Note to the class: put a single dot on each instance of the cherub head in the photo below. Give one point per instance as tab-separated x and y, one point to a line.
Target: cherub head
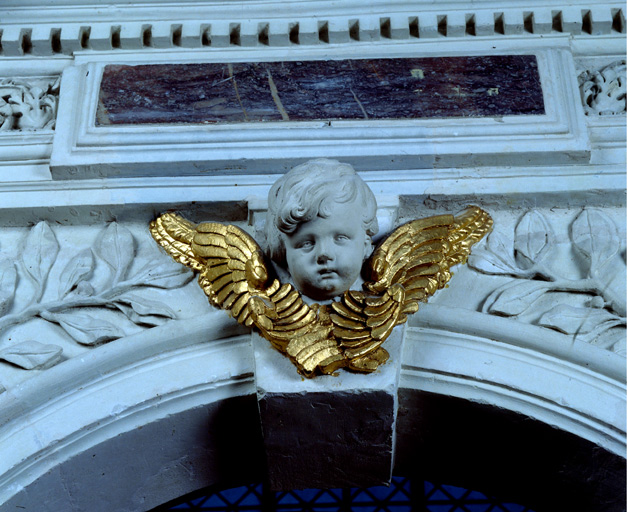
321	217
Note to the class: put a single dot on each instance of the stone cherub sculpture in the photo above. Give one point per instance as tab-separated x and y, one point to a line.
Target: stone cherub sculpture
319	225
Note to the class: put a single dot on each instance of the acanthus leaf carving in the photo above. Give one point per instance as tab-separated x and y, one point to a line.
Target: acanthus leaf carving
604	91
28	104
32	355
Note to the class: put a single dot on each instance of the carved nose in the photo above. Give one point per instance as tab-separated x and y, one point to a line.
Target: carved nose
324	254
323	258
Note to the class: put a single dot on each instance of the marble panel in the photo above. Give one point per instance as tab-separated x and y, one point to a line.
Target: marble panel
402	88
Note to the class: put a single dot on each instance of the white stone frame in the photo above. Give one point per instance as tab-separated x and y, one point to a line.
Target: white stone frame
83	150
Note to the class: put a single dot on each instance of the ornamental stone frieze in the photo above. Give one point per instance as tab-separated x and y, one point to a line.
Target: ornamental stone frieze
604	91
28	104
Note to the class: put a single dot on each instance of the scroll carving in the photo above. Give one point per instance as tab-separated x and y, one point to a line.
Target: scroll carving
604	92
28	105
80	297
589	307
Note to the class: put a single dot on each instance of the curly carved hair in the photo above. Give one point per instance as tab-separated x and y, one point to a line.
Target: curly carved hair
309	190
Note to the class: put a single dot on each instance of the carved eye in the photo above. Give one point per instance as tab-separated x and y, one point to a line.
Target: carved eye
306	244
342	238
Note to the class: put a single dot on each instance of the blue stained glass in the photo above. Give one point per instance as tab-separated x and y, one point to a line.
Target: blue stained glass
287	499
234	495
513	507
251	499
399	508
330	496
307	494
214	500
476	495
440	508
438	495
399	497
456	492
479	507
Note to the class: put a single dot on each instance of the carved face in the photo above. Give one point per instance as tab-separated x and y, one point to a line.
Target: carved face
325	255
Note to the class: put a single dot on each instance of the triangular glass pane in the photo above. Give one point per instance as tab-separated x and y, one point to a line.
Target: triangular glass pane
329	496
287	499
456	492
398	496
182	506
476	495
428	487
439	495
233	495
213	501
381	492
307	495
362	497
250	499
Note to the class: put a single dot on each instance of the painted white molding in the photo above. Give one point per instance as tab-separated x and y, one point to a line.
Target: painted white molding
83	150
526	369
134	382
116	388
64	28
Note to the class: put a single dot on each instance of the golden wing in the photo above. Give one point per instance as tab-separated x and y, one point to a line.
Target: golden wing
408	267
234	276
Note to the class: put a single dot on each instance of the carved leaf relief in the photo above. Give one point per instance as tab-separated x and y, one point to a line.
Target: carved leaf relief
32	355
28	104
81	297
8	283
77	270
144	311
574	320
596	237
588	307
39	253
604	91
85	328
533	238
497	259
515	298
116	247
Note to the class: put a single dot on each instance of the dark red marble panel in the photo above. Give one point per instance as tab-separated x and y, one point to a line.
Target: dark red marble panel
321	90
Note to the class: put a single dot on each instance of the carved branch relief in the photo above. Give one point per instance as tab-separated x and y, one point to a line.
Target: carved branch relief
80	299
604	91
590	307
28	105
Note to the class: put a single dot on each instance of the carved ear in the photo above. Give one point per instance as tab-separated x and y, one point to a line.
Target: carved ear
368	247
